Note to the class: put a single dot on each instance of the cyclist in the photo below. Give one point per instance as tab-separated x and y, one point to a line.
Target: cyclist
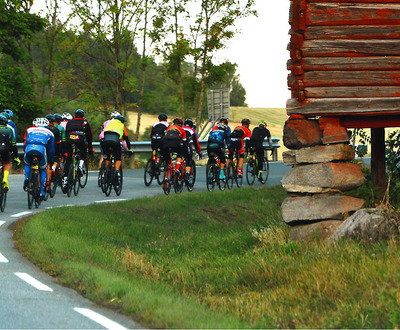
78	132
101	135
52	165
57	123
157	132
66	117
256	142
216	142
7	144
175	140
237	138
192	139
11	122
115	132
38	141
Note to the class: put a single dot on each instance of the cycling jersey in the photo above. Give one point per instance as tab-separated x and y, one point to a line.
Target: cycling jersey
238	135
7	143
192	139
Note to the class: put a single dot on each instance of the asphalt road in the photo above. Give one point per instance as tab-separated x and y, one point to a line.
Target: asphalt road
31	299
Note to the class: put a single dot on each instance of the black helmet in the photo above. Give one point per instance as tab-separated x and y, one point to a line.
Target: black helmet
79	113
162	116
245	121
50	118
178	121
224	120
120	118
57	117
189	122
3	119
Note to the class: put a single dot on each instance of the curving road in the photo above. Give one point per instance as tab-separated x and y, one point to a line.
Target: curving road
31	299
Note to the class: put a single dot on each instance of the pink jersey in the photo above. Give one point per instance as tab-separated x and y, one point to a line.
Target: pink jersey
101	135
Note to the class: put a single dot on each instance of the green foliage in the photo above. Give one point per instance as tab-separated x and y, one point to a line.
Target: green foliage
238	93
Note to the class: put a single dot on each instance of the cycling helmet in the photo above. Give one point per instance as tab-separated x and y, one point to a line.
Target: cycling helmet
10	113
221	126
262	123
178	121
57	117
66	116
40	122
224	120
114	114
162	116
3	119
5	114
245	121
79	113
189	122
120	118
50	118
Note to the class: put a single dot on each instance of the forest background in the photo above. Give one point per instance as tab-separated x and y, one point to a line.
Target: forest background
146	56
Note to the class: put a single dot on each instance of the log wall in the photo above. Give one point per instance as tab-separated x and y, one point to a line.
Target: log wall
344	57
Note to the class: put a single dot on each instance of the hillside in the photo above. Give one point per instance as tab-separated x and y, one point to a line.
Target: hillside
275	118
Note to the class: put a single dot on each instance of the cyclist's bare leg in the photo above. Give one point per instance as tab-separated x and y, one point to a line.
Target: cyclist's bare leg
118	165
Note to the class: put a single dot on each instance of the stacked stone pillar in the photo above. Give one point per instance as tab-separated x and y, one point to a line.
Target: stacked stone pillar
320	156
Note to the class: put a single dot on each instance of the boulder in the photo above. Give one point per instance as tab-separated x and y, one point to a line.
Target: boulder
317	230
323	177
324	154
332	131
299	132
289	157
319	207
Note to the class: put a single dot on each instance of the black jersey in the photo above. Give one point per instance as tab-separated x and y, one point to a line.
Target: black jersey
259	134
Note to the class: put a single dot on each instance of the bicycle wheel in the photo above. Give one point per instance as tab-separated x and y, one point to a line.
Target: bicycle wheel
221	183
30	190
76	179
250	172
179	181
160	167
118	182
264	177
210	176
2	198
229	176
238	179
53	184
36	188
167	180
149	172
191	177
110	173
70	180
85	174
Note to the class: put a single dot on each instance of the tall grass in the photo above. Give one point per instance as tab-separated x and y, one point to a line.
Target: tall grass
214	260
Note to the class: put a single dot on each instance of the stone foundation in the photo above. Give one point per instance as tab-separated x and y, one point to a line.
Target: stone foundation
320	156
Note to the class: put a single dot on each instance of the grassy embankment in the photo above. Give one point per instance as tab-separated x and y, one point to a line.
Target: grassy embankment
214	260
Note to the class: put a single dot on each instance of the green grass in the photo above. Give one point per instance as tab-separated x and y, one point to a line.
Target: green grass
214	260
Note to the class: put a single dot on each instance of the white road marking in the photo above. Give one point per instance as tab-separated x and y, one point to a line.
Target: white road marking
35	283
21	214
2	223
58	206
100	319
111	200
3	258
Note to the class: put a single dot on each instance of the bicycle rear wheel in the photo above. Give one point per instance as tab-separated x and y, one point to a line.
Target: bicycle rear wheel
110	172
229	175
191	178
36	189
238	179
178	181
85	174
210	176
222	183
250	172
2	198
118	182
149	172
76	180
167	180
70	180
265	173
160	167
53	184
30	190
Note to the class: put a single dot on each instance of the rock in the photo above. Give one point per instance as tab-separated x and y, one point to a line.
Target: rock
317	230
300	132
289	158
319	207
324	154
324	177
332	131
370	225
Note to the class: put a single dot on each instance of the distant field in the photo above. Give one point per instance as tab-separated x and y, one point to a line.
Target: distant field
275	118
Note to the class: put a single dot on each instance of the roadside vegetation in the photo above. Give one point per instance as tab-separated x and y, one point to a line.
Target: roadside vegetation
213	260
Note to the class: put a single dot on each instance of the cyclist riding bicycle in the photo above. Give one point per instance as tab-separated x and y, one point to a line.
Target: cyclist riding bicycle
114	133
175	140
7	145
38	142
217	140
192	140
78	132
237	138
52	165
157	132
101	135
256	142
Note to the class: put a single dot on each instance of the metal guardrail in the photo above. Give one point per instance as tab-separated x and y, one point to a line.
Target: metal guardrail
145	147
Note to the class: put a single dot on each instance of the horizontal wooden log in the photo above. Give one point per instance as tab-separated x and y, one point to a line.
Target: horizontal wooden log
377	63
350	48
351	78
352	13
355	1
377	121
350	92
346	106
352	32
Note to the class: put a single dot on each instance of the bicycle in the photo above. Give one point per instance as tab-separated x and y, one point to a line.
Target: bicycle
110	177
153	169
187	179
3	190
169	174
55	181
212	173
252	168
33	190
74	173
232	172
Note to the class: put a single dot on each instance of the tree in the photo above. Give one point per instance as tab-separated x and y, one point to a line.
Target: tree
238	93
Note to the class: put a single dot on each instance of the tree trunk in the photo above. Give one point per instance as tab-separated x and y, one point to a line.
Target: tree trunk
378	165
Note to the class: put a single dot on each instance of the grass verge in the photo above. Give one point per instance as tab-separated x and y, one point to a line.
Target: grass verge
214	260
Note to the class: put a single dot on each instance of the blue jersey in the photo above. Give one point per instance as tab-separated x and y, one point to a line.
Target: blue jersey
218	136
40	136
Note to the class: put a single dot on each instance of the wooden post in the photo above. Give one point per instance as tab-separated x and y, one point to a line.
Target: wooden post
378	165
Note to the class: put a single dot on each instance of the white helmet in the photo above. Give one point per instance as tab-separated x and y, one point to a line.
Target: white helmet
40	122
66	116
115	114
